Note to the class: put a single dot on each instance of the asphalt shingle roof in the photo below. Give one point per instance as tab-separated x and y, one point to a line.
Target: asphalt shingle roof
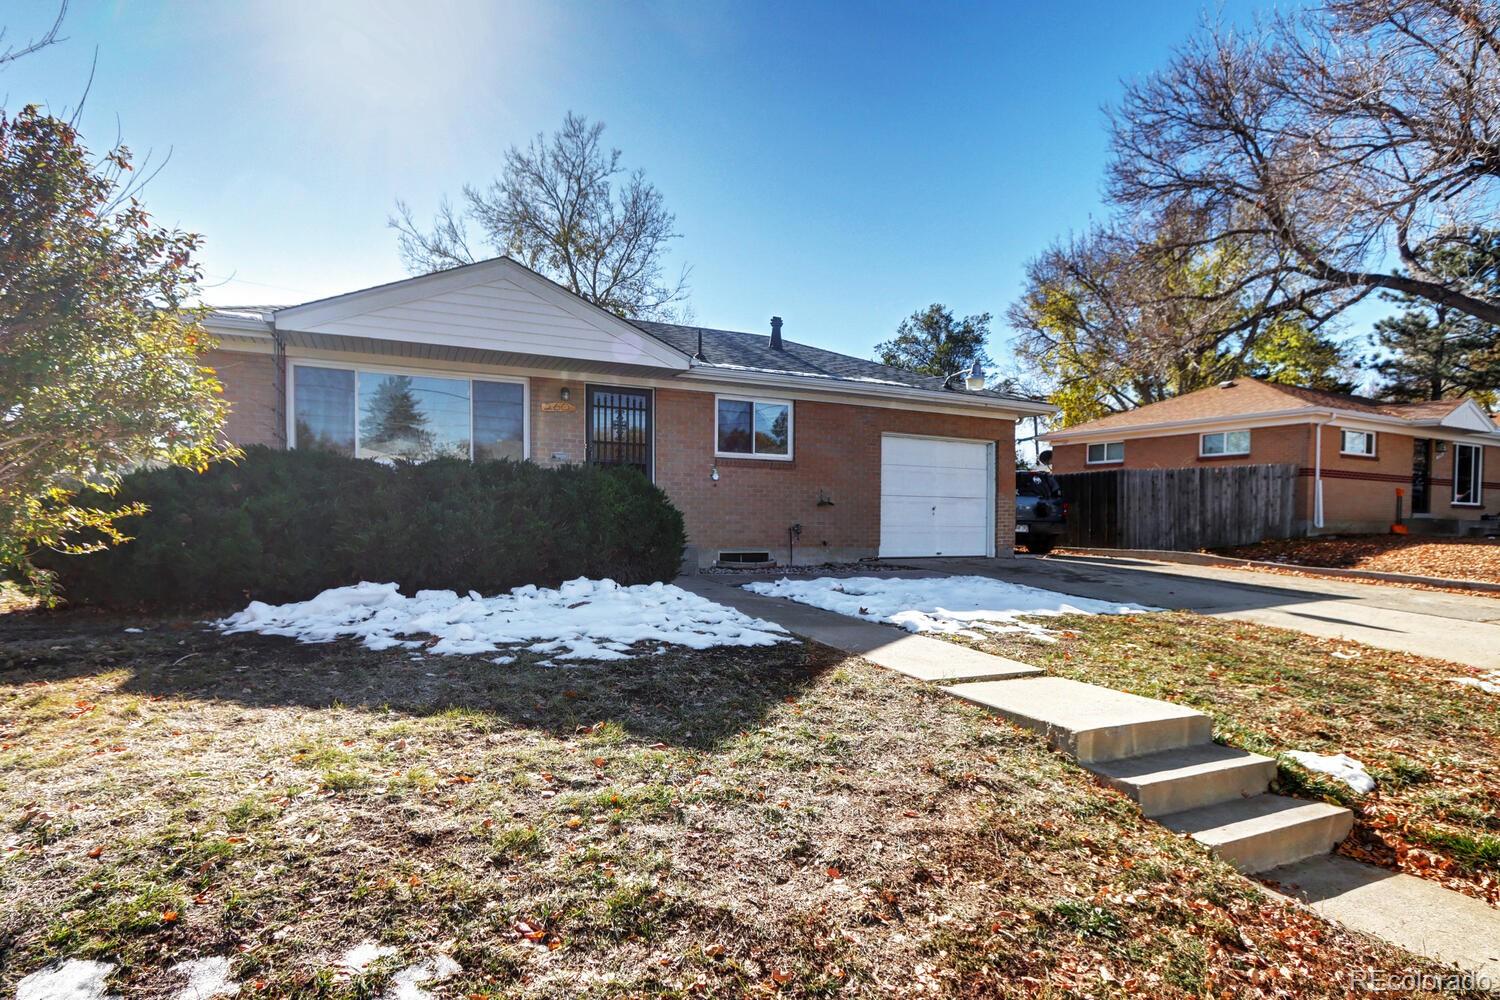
1245	396
732	350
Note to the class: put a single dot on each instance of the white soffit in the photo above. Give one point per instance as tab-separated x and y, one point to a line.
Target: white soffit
494	305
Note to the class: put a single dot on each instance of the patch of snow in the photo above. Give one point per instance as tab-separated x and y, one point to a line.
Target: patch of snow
1340	767
74	979
953	605
134	629
407	984
362	955
580	620
206	978
1485	682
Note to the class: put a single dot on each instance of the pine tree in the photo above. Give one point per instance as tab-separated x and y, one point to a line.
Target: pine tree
394	418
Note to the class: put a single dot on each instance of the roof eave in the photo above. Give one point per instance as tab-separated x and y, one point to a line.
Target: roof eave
1009	404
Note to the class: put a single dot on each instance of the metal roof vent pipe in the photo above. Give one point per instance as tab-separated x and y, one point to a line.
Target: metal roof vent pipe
776	334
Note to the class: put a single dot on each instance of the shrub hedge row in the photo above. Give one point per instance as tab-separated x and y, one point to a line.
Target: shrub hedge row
283	525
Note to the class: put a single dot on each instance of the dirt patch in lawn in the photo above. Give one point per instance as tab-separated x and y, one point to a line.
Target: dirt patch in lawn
1448	559
742	822
1432	745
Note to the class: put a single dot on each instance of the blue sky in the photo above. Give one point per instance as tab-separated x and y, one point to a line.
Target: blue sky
839	166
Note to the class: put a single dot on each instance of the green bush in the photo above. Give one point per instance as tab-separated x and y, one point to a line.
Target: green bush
283	525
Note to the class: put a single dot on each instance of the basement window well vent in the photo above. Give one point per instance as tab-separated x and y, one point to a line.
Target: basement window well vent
746	558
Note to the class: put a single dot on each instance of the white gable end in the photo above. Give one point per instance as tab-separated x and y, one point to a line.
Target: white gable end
1469	417
494	305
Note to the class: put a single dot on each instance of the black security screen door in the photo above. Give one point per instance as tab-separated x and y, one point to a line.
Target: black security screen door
619	427
1421	476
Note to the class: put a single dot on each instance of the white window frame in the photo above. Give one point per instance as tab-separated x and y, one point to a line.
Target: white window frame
1368	435
1478	468
791	428
292	364
1226	453
1106	460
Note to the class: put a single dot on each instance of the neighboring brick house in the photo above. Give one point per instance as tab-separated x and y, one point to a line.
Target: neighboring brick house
753	437
1353	453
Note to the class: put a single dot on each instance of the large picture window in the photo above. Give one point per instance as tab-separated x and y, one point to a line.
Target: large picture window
753	428
1224	443
1468	475
398	416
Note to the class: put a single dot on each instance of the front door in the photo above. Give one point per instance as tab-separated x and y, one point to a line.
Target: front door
619	427
1421	476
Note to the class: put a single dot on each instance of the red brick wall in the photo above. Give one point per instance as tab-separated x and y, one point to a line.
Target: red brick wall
1359	494
836	452
250	388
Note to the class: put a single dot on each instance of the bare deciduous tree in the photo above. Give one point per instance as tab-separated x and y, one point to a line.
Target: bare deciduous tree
556	209
9	53
1324	148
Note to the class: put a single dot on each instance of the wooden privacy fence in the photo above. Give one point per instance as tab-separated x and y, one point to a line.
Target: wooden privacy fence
1180	509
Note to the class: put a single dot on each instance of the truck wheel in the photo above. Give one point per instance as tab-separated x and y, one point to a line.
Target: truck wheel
1041	545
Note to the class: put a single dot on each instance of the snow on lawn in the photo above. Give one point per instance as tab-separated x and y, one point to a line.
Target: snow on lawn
1485	682
957	605
1340	767
74	979
581	620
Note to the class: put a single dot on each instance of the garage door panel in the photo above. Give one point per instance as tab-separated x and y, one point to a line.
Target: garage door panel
935	497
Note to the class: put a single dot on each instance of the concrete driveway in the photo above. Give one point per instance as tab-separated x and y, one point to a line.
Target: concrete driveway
1454	627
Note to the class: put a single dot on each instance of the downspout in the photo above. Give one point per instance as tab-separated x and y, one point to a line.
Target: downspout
1318	471
278	361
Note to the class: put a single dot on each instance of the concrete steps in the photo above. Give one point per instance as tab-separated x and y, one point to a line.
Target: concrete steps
1163	757
1174	780
1265	831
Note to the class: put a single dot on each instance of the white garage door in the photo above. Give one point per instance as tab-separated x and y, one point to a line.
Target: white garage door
936	497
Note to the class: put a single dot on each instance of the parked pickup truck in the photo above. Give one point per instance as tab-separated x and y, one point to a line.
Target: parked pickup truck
1041	512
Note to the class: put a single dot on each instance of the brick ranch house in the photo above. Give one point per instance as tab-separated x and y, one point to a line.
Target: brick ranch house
763	443
1352	454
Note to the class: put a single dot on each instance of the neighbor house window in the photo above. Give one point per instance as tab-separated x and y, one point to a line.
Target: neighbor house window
1357	443
1225	443
1468	462
752	428
1104	452
399	416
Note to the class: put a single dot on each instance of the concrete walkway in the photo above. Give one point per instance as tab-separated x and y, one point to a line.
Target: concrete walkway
1463	628
1161	755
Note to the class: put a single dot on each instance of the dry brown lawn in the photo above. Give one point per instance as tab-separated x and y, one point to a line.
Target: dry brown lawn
780	822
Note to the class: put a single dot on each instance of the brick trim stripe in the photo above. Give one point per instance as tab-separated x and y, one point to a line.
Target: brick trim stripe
1382	477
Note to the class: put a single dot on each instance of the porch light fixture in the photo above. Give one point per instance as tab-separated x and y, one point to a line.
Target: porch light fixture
564	393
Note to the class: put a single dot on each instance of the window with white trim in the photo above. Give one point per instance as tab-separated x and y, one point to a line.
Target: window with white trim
1105	452
752	427
1468	475
405	416
1357	443
1224	443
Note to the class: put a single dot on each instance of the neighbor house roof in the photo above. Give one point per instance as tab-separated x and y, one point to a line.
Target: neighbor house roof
1253	398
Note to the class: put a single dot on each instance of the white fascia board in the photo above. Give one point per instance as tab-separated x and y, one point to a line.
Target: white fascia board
310	315
228	323
1379	423
871	390
1167	428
